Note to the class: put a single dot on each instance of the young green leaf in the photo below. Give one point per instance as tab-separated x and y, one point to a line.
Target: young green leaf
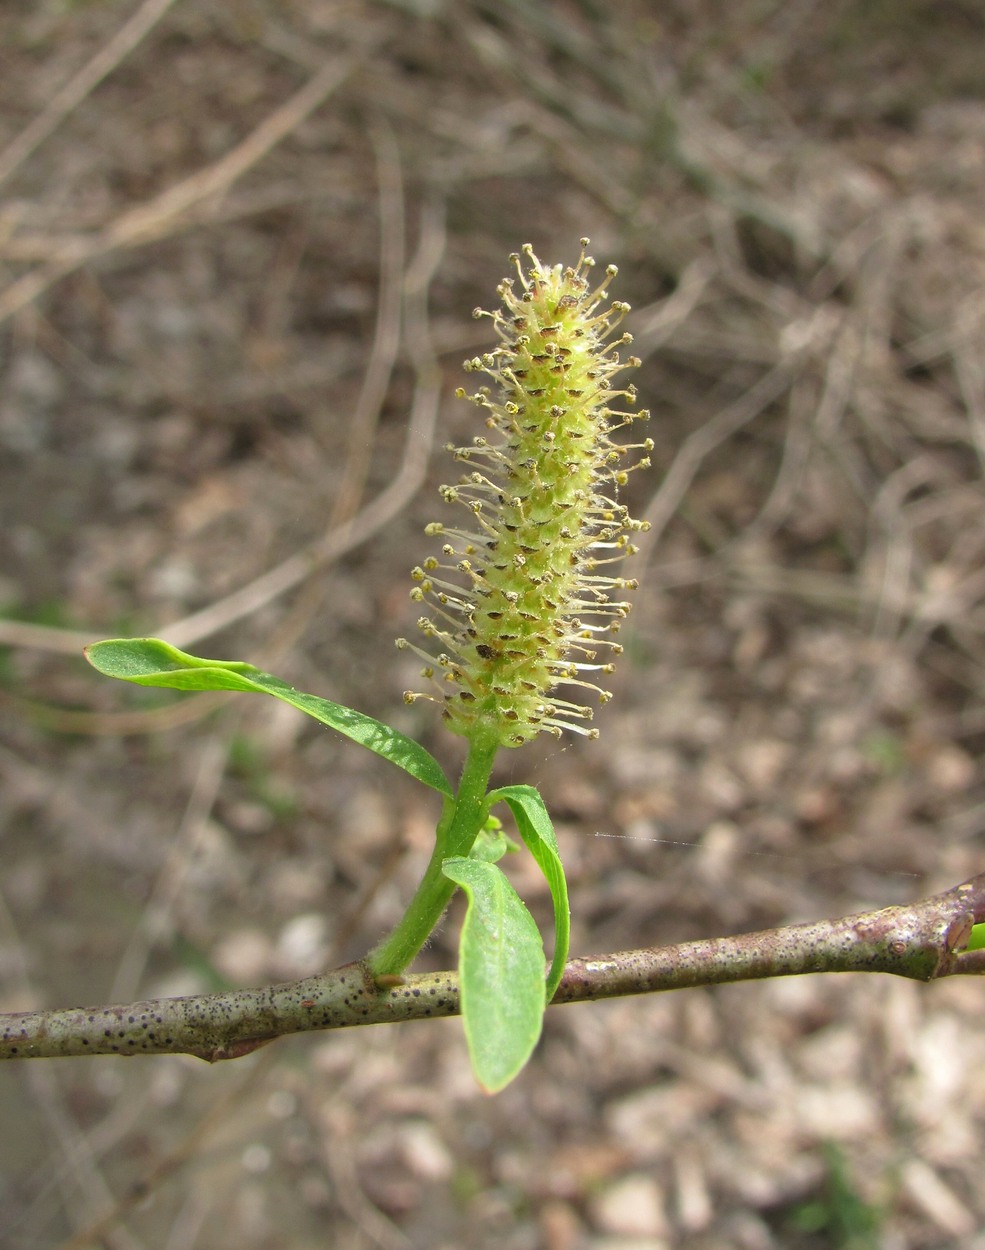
501	973
977	939
534	825
151	662
493	842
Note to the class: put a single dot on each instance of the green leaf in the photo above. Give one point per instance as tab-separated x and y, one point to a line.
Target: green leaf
151	662
977	939
501	973
534	825
492	843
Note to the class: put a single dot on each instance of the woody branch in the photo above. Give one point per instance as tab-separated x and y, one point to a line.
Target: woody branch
924	940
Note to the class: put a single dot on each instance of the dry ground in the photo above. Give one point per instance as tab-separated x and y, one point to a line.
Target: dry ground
239	246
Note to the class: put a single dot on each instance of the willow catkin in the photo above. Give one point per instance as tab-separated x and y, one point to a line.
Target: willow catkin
522	600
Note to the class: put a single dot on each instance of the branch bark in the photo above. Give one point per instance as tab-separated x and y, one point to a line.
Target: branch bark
923	941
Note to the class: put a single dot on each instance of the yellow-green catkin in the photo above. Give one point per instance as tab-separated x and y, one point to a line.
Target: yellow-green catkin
522	601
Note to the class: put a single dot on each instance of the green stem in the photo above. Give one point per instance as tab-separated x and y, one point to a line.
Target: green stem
457	831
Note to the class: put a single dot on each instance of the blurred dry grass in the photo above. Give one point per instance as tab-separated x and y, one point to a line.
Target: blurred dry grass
238	248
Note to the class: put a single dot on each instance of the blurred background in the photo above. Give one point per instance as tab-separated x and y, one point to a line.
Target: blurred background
240	244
